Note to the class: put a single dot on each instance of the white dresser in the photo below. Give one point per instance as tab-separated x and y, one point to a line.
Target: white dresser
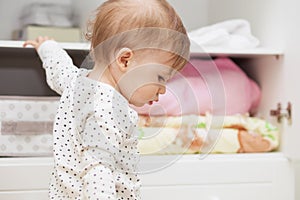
214	177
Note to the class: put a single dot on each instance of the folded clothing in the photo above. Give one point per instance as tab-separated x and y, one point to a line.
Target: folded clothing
206	134
59	34
47	14
217	86
232	34
26	125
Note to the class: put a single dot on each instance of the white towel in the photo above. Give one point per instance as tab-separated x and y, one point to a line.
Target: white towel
234	34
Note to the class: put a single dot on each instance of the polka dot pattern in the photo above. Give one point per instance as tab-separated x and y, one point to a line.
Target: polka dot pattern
26	125
95	151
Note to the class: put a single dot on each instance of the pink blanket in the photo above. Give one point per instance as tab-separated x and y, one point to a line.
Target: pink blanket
219	87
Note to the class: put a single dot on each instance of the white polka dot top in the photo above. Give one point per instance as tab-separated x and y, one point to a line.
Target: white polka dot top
94	141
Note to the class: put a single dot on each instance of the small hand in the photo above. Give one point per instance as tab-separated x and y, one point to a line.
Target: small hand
37	42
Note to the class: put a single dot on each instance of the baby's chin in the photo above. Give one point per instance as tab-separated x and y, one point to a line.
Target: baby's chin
138	104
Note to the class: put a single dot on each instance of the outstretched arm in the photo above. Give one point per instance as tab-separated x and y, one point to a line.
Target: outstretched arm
59	67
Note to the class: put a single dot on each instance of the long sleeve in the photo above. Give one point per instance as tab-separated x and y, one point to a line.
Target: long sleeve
59	66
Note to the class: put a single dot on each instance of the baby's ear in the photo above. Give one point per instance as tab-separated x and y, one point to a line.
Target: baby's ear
124	56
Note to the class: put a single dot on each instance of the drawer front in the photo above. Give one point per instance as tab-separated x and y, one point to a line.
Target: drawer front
27	177
24	195
189	178
212	192
195	192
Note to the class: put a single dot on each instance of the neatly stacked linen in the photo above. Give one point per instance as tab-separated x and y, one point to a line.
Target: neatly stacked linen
218	86
229	34
206	109
26	125
206	134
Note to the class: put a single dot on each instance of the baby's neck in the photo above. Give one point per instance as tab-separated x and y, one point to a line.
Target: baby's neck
103	75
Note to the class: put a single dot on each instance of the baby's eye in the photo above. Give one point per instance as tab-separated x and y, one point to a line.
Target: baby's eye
161	79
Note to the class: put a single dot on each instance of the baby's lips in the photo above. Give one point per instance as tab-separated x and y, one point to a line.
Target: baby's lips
151	102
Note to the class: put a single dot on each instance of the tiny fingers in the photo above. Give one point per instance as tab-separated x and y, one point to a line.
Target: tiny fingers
30	42
37	42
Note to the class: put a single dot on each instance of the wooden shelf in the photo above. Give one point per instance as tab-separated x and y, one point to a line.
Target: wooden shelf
195	51
146	159
256	52
64	45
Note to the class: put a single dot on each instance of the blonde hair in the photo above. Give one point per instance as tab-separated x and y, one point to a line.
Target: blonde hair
138	24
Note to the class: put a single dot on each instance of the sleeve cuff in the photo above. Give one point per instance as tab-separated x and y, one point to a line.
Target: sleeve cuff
48	44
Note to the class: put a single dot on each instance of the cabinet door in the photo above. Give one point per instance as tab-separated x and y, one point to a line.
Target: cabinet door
290	75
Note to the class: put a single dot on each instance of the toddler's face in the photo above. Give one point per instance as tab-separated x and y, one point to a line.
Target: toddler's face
147	78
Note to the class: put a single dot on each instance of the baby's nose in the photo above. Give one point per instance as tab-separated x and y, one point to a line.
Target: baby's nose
162	89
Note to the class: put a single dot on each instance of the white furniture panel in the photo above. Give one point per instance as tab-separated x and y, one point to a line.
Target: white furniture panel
225	177
24	195
210	192
25	173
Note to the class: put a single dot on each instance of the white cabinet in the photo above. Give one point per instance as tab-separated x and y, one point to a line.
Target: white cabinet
244	176
273	22
275	67
224	177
